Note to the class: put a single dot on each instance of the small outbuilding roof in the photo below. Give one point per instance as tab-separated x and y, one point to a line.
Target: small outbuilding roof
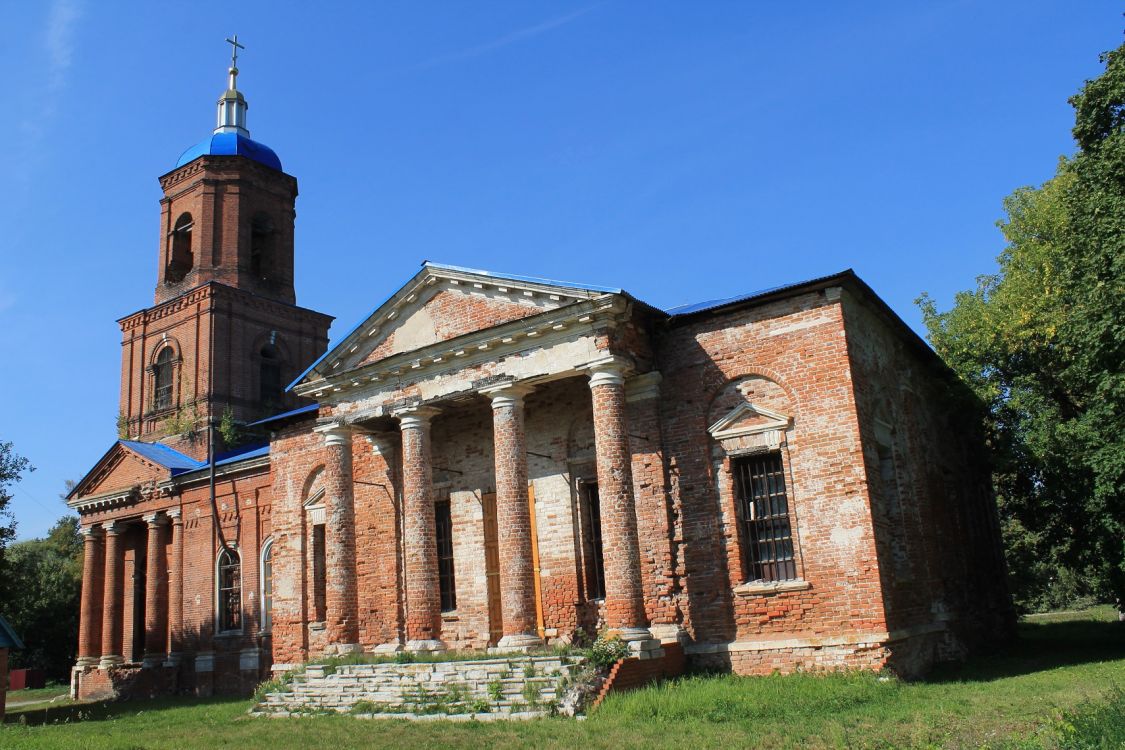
8	637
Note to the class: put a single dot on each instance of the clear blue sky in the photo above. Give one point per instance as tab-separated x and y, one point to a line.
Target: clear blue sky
683	151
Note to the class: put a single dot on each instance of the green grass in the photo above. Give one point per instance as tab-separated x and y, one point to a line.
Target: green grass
1061	685
54	693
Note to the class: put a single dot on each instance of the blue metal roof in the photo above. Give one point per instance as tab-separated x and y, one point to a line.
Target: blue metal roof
228	457
8	637
286	414
716	303
231	144
161	454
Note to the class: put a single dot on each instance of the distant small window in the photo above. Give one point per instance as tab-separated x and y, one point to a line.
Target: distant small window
181	257
162	379
269	376
766	534
446	579
592	554
261	246
230	591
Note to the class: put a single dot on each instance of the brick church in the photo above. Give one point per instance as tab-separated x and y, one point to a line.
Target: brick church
782	480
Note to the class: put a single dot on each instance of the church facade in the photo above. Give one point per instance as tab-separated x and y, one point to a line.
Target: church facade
783	480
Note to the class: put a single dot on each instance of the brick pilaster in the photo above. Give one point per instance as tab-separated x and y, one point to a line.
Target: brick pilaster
624	595
423	596
93	567
156	578
113	602
176	589
341	599
517	595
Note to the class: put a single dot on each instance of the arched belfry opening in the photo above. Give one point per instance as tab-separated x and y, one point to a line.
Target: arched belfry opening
261	246
181	258
269	376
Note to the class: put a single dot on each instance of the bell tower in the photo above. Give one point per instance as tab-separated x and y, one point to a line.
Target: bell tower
224	336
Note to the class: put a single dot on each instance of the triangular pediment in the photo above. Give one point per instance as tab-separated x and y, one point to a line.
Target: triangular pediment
119	470
442	303
749	419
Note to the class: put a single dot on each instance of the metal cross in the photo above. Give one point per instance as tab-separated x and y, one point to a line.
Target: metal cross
234	48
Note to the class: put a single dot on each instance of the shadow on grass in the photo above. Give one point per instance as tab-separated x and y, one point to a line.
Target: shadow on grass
103	710
1040	646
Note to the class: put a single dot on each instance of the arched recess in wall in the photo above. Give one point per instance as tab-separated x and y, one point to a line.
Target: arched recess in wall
181	254
164	375
316	555
751	425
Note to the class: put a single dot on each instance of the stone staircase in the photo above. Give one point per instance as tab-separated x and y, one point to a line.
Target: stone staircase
513	687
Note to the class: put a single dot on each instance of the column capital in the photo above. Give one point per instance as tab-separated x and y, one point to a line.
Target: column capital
113	528
153	519
507	394
415	417
609	370
90	532
335	433
175	515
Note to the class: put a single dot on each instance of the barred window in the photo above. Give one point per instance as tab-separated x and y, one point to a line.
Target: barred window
594	567
443	512
162	380
230	591
767	539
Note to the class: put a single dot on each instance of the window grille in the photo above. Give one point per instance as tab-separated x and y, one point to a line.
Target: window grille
230	591
444	516
595	562
767	537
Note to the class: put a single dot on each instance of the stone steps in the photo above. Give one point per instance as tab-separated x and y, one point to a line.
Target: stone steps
516	687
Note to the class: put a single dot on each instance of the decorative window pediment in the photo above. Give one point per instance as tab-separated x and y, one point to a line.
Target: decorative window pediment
314	507
749	419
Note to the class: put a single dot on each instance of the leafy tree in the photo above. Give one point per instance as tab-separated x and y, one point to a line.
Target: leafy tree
12	465
1042	342
41	593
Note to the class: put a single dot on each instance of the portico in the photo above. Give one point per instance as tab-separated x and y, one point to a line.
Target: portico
457	408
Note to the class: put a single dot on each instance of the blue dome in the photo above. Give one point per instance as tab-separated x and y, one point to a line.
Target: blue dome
231	144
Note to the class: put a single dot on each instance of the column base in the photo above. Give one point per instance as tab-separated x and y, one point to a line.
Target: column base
339	649
87	661
668	632
110	660
432	646
388	648
152	661
174	659
516	642
633	634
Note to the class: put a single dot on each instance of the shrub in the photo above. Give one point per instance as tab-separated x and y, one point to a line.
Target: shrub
607	651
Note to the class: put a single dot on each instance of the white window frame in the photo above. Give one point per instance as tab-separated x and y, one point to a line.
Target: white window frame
267	547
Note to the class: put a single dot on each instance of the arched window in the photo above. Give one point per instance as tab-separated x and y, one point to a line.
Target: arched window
162	379
180	258
267	586
261	246
229	605
269	376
